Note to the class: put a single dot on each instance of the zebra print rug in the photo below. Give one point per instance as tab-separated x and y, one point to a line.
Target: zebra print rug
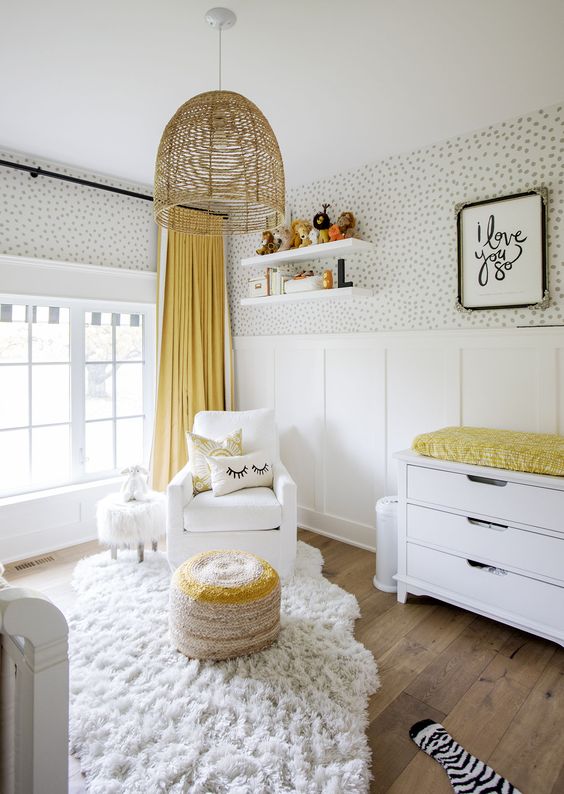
467	774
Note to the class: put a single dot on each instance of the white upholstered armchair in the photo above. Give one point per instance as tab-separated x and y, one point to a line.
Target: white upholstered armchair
260	520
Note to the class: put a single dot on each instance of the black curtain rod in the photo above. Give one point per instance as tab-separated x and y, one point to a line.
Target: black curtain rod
35	171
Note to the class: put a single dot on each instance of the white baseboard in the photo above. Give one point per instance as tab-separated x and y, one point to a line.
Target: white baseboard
349	532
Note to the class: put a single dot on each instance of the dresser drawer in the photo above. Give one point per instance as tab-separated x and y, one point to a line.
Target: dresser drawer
508	501
510	593
501	544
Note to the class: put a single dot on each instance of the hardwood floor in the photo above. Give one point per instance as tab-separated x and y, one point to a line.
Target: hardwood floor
499	691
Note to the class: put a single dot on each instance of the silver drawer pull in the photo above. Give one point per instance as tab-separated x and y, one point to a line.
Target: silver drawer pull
487	568
487	524
487	480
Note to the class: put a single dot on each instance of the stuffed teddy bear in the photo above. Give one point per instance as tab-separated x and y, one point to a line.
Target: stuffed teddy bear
346	223
283	236
135	487
268	244
344	228
322	223
301	231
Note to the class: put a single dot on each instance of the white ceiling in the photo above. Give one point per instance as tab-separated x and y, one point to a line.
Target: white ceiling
342	83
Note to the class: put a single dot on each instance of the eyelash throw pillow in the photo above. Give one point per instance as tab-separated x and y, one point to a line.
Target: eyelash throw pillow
241	471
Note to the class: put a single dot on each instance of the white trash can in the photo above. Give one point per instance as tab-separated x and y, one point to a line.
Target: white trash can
386	544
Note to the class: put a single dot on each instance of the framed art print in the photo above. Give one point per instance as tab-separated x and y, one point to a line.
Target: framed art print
502	252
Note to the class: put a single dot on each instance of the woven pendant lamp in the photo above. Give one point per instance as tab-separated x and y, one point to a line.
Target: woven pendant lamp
219	167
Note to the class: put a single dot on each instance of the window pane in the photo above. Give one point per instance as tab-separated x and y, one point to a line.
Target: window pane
99	441
129	389
14	397
50	333
98	336
50	455
14	460
129	338
129	437
50	393
13	333
98	391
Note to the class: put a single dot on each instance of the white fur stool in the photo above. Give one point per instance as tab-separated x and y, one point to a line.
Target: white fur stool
124	524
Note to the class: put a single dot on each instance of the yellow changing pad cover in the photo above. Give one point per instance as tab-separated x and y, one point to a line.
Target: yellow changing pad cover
540	453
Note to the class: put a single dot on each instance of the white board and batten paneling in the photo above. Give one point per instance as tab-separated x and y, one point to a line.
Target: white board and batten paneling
346	403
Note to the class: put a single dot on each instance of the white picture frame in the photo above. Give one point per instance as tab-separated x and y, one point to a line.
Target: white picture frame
502	259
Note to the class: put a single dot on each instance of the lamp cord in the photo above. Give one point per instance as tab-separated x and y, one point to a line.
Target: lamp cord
220	59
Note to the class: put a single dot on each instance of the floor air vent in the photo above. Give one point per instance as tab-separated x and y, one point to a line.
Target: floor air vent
22	566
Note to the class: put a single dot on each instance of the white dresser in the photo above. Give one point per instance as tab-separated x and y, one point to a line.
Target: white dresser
485	539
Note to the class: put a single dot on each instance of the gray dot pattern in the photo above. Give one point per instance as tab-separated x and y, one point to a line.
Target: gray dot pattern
48	219
405	206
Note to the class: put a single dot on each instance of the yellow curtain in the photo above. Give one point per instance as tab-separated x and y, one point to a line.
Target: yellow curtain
191	374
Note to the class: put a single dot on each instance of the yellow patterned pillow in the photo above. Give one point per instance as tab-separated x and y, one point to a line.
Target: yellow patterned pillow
540	453
199	447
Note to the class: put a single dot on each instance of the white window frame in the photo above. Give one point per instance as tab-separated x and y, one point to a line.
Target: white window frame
77	422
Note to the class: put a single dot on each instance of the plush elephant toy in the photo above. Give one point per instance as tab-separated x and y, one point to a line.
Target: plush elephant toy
3	582
283	237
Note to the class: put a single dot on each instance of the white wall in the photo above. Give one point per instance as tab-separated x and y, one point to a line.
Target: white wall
346	403
44	521
354	381
25	276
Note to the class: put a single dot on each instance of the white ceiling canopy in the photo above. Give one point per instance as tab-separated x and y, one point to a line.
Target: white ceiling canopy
93	84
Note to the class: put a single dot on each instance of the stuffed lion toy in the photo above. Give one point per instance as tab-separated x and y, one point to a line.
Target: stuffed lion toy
268	244
301	230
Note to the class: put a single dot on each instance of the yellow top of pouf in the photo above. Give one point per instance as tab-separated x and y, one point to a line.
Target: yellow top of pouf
540	453
225	577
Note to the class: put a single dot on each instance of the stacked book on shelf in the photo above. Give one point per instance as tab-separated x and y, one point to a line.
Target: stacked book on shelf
277	280
272	283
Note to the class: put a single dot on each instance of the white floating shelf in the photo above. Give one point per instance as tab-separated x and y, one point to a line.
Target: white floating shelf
340	248
310	295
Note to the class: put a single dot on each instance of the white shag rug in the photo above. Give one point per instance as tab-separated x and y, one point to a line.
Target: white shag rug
144	718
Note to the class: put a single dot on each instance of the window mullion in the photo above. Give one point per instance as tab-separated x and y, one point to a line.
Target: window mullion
29	389
149	382
114	396
77	362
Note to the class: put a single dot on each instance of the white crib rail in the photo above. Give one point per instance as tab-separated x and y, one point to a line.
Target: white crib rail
33	694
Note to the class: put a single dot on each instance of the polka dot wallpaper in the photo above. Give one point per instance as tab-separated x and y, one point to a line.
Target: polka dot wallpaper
405	206
49	219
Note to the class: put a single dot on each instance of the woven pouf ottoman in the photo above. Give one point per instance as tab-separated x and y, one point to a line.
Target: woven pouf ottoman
224	604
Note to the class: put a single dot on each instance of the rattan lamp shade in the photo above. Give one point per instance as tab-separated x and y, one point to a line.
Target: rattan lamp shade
219	156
